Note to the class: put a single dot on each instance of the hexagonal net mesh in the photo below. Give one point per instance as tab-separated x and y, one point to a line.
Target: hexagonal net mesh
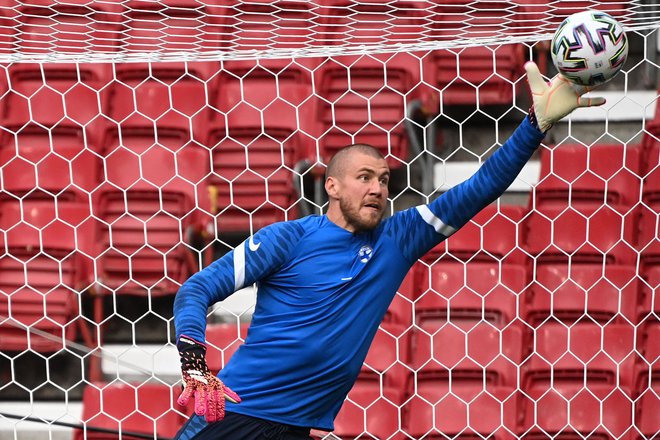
119	180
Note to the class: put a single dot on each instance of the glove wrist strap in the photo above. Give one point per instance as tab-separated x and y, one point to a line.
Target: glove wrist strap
187	344
534	120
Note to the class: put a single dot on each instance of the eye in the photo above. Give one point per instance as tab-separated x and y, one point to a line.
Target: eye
384	180
363	178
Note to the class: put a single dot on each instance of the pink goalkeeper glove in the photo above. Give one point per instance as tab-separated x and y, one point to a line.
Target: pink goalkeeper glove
208	391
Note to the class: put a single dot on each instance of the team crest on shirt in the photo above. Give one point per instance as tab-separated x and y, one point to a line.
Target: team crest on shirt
365	253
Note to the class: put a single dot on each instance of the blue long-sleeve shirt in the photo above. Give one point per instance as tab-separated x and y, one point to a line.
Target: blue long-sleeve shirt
323	291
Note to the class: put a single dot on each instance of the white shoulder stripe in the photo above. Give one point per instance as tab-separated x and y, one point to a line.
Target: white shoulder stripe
239	266
430	218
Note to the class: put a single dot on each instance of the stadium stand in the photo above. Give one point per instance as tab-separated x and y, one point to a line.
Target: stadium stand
582	353
600	174
461	409
472	291
582	292
388	357
142	408
468	351
223	339
39	282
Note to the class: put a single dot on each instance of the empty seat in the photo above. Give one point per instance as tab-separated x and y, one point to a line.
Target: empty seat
471	292
147	408
71	107
346	22
363	100
45	26
582	353
147	204
597	174
222	341
462	409
586	292
647	409
581	233
546	17
648	345
569	409
35	173
469	20
171	26
371	411
48	256
473	352
387	359
649	298
493	235
175	111
262	25
254	153
484	75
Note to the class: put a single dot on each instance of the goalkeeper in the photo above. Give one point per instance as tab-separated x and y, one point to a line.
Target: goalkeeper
325	283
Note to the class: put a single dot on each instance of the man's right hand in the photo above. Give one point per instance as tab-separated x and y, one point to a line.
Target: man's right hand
208	391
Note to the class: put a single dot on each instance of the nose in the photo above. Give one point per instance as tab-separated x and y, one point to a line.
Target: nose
375	188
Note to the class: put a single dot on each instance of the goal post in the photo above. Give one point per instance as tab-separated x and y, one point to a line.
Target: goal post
141	140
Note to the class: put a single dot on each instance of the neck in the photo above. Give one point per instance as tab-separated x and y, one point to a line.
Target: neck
335	215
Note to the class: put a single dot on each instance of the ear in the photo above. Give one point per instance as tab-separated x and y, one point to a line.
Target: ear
332	187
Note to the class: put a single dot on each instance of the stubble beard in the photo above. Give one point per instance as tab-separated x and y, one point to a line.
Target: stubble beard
354	219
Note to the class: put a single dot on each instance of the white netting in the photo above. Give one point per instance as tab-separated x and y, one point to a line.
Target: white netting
139	30
118	180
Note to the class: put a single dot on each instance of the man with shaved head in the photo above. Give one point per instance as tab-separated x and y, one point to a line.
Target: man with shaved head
324	285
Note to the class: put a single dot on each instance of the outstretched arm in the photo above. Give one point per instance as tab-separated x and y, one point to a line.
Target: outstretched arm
432	223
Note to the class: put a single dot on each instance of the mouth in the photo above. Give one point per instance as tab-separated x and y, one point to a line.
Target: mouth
373	206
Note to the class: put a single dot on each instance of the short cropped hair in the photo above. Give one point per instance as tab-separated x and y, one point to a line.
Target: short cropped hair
338	162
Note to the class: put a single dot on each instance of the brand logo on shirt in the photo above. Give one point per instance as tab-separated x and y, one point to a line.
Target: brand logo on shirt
365	253
253	246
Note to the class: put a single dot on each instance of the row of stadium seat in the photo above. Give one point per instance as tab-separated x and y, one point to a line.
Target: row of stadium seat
458	386
129	247
137	25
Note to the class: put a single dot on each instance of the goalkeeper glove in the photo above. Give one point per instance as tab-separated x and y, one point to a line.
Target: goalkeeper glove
556	99
208	391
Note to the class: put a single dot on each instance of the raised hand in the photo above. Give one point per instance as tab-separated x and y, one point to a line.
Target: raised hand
555	99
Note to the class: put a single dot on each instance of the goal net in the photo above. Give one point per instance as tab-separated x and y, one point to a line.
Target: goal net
141	140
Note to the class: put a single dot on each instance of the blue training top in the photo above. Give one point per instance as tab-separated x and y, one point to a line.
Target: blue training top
323	291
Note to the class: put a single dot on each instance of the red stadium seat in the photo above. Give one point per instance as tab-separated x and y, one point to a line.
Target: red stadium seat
585	233
584	352
371	412
148	203
262	25
34	173
461	410
473	291
388	357
50	257
649	299
45	26
467	19
546	17
582	292
472	352
253	162
493	235
569	409
597	174
483	75
647	421
361	23
363	100
172	26
141	107
148	408
222	341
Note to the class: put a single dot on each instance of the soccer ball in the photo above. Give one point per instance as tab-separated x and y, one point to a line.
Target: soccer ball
589	48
